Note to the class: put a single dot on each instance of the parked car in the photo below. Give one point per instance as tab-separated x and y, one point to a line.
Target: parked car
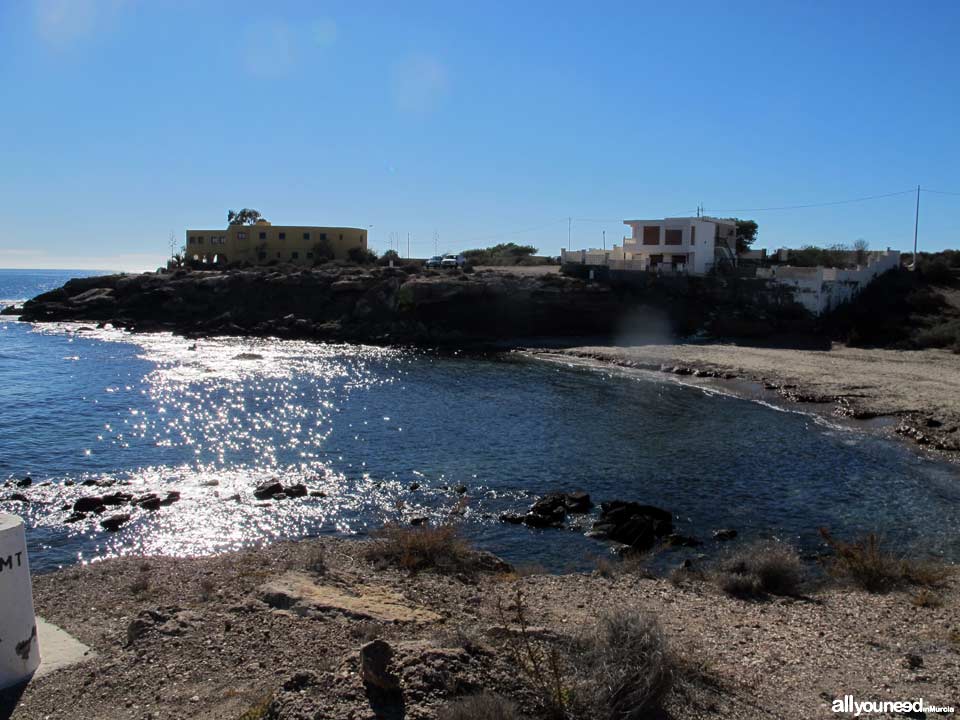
453	261
435	261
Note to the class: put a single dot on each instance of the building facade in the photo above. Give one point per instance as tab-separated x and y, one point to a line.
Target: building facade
691	245
264	243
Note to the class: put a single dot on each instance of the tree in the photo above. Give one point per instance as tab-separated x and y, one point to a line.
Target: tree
860	247
746	234
246	216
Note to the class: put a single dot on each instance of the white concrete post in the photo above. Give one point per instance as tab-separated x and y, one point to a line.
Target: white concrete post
19	647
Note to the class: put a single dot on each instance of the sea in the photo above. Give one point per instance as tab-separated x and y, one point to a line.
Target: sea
388	435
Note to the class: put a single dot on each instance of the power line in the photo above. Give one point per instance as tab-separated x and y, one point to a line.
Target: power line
940	192
826	204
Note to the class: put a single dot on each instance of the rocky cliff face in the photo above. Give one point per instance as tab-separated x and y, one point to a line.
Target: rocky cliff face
338	302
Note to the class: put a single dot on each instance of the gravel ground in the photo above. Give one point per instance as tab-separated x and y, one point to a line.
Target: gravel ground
202	638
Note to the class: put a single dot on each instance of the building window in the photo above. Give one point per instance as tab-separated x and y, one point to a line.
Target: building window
323	236
341	236
656	259
673	237
278	254
191	241
309	256
693	234
283	236
241	236
294	255
199	239
651	234
263	236
306	236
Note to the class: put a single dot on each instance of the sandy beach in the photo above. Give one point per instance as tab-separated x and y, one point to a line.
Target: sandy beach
920	388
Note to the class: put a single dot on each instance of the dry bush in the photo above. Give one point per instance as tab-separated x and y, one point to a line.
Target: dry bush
867	565
316	560
926	598
623	670
540	663
437	547
207	589
759	569
484	706
141	584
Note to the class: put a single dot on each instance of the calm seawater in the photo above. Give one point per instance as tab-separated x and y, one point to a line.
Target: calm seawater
214	418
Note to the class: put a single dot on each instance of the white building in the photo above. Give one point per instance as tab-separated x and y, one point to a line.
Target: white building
691	245
821	289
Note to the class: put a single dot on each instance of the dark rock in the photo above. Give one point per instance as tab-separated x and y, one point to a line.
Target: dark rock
26	482
75	517
375	667
460	489
300	681
512	518
678	540
279	496
68	483
117	498
267	489
577	502
296	491
89	482
171	498
87	504
912	661
536	520
317	494
148	502
418	521
414	486
724	534
633	524
114	522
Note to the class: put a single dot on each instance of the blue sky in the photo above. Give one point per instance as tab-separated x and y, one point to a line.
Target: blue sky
126	120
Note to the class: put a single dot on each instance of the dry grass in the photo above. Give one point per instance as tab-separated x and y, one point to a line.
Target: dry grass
429	547
316	560
623	670
866	564
258	711
484	706
926	598
759	569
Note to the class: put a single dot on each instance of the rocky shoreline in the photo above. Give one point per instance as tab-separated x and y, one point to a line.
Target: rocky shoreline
337	302
327	628
919	389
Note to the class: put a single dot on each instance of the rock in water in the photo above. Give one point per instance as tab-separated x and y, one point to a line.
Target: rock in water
267	489
87	504
296	491
375	669
633	524
724	534
114	522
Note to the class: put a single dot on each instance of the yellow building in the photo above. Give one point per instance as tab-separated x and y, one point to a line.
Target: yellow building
263	243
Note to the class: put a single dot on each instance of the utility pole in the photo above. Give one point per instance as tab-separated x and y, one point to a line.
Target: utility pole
604	239
569	227
916	225
408	246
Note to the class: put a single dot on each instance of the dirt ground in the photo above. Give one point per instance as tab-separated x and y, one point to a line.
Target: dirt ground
276	633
